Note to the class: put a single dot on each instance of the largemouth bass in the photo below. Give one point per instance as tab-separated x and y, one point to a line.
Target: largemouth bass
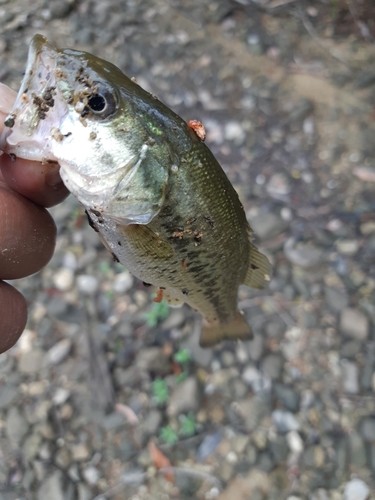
152	189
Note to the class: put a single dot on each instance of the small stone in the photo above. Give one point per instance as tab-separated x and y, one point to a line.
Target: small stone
91	475
302	254
153	359
354	324
63	279
349	377
259	438
357	449
294	441
31	446
8	394
347	247
185	397
123	282
233	131
356	489
256	347
80	452
368	429
208	445
61	395
267	225
336	299
63	458
87	284
16	425
152	422
83	492
272	366
279	449
288	396
285	421
51	487
58	352
278	186
31	361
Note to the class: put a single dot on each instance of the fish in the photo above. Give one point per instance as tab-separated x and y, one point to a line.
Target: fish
151	188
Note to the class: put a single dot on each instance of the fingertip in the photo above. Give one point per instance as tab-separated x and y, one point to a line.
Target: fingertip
13	315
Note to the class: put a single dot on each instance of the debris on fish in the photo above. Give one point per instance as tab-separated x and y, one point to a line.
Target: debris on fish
154	192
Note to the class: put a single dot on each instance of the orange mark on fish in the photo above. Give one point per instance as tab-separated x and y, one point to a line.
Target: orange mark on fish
159	295
198	129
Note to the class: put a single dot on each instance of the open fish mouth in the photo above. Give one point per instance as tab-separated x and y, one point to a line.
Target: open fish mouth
31	110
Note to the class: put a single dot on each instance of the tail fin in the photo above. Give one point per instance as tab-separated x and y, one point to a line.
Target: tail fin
237	329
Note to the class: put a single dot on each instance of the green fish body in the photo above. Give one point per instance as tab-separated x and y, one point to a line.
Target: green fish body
152	189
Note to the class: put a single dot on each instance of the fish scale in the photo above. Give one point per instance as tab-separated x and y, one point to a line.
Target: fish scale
155	193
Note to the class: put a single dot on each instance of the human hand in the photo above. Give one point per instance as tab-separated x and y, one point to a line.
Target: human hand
27	230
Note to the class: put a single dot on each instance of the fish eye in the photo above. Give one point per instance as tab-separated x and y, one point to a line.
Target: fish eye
101	104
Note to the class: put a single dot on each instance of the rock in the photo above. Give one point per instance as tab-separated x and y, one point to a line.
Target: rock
357	449
356	489
87	284
347	247
350	349
83	492
31	446
364	79
80	452
61	396
152	422
16	425
272	366
285	421
233	131
123	282
58	352
185	397
368	429
267	225
336	299
8	394
354	324
63	279
153	359
63	458
256	347
279	186
91	475
288	396
302	254
51	487
31	361
301	110
349	377
250	411
294	441
255	379
279	449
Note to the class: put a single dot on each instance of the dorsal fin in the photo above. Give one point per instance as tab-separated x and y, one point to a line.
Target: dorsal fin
258	272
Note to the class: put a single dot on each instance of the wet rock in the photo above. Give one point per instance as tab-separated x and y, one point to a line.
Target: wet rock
356	489
16	425
285	421
354	324
185	397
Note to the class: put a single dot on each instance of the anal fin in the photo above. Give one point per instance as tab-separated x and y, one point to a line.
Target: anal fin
258	272
214	333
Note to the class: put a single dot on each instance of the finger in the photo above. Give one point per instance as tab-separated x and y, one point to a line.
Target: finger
27	235
40	183
13	316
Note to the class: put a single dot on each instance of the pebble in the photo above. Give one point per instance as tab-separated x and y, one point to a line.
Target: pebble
349	377
31	446
87	284
336	299
91	475
80	452
58	352
302	254
354	324
368	429
31	361
347	247
184	398
16	425
63	279
233	131
267	225
123	282
356	489
279	186
272	366
285	421
288	397
51	487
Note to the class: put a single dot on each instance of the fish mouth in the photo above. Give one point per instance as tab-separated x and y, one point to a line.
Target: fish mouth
30	121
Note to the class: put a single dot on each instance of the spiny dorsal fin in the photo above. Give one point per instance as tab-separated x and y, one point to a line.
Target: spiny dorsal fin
258	272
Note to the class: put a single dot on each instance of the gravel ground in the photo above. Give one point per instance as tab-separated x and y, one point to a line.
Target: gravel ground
107	395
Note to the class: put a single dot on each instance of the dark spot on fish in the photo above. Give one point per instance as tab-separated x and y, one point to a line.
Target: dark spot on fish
68	134
185	291
209	220
191	221
115	258
253	266
95	212
12	157
198	236
146	284
119	243
9	122
91	224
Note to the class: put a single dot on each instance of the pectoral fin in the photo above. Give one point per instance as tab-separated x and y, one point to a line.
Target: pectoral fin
258	272
214	333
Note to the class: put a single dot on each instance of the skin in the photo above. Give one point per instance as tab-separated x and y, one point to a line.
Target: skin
27	231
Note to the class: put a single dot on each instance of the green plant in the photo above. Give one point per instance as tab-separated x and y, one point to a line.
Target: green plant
182	356
168	435
188	425
160	391
159	311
